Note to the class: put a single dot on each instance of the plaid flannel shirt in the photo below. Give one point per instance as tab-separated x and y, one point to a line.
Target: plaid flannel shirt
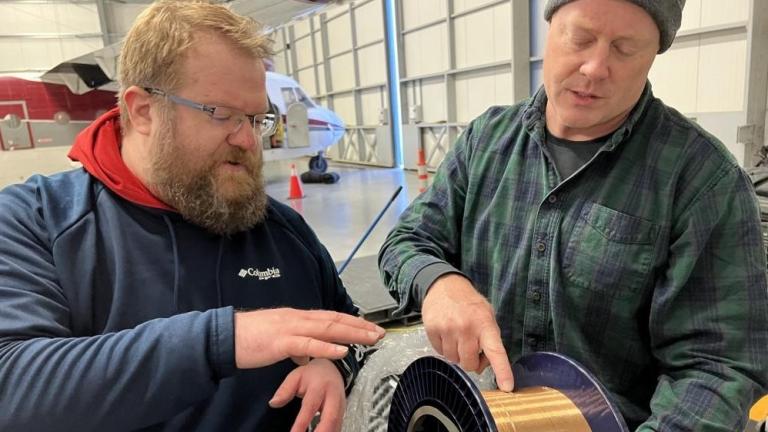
646	265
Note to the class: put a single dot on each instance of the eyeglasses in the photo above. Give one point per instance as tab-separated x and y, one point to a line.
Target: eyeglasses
263	124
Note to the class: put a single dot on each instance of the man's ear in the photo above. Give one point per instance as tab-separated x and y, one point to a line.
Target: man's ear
137	100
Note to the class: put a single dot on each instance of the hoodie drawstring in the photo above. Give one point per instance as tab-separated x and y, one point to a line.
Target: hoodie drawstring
175	263
218	270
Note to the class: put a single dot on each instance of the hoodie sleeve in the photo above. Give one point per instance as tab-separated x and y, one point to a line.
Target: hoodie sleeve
52	380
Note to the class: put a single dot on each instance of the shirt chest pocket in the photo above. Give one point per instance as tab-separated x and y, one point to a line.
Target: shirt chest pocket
609	251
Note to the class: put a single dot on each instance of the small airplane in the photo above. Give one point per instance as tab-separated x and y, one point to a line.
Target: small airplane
50	109
304	128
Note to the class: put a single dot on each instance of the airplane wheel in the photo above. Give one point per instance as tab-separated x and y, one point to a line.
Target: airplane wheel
318	164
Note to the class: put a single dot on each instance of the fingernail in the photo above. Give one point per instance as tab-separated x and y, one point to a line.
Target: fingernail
506	385
374	335
341	349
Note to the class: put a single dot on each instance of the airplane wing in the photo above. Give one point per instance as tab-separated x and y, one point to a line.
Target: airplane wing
95	70
98	69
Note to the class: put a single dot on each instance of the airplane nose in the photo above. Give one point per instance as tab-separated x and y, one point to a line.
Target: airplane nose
336	125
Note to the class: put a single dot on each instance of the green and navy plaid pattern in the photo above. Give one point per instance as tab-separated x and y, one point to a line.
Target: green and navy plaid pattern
646	265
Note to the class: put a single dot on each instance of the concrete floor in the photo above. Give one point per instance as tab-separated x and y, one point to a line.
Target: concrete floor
341	213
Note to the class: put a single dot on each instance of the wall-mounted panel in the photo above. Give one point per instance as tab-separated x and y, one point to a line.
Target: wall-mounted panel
674	76
344	106
306	78
301	28
303	49
72	18
42	54
433	103
371	103
722	73
477	91
691	15
122	15
372	61
338	34
12	54
460	6
78	24
416	13
426	51
342	72
715	12
71	48
484	36
279	62
369	23
539	28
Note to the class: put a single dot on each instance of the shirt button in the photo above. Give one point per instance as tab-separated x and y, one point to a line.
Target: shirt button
532	342
552	199
541	246
536	296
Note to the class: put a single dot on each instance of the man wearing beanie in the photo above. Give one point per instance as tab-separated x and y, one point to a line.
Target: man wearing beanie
595	221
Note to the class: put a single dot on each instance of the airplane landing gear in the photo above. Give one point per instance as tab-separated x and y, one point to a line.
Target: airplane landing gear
318	163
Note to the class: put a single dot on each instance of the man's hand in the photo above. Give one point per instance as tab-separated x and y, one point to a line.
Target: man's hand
267	336
461	326
321	388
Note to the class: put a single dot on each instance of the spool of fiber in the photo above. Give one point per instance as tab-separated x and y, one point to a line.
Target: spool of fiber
553	393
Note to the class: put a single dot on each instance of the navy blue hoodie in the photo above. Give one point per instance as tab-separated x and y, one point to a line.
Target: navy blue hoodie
118	316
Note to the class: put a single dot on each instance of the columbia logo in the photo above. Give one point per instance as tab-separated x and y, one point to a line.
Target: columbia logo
270	273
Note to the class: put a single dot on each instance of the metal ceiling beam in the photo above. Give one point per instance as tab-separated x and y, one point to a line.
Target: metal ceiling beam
106	30
46	1
50	35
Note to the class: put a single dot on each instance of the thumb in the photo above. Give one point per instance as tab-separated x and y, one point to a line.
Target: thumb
287	390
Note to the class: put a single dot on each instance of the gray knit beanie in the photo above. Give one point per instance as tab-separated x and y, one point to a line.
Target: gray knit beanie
666	13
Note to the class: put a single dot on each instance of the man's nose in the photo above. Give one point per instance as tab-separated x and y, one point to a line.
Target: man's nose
244	137
595	64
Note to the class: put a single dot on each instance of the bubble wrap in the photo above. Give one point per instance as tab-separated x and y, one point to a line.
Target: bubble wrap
368	403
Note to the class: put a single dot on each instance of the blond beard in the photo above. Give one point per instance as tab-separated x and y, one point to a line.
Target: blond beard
197	192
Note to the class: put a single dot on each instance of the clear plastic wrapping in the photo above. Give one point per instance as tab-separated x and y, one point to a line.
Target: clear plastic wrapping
368	403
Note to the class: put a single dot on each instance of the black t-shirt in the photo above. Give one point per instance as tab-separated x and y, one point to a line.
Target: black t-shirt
569	156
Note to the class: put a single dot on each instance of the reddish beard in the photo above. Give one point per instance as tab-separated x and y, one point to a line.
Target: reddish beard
221	202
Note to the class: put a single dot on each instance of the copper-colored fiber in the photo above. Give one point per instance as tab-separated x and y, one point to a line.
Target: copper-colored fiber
535	409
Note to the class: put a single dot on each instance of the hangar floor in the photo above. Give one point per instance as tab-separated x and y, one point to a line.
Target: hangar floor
341	213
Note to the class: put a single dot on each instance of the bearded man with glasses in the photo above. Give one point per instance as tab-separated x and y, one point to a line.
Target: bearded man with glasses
159	287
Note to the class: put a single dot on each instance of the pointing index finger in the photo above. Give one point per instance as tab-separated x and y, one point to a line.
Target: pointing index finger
493	349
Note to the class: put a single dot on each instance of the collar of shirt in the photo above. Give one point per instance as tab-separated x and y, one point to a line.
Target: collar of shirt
534	119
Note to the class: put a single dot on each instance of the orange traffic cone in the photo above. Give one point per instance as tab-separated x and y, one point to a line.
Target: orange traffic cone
295	191
421	166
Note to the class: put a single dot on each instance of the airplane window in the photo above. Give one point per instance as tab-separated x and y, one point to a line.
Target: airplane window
12	120
303	98
288	96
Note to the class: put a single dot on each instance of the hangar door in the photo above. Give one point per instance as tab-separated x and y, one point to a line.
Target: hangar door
457	58
340	59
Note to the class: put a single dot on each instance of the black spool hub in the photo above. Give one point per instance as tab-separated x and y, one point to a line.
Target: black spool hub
434	396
